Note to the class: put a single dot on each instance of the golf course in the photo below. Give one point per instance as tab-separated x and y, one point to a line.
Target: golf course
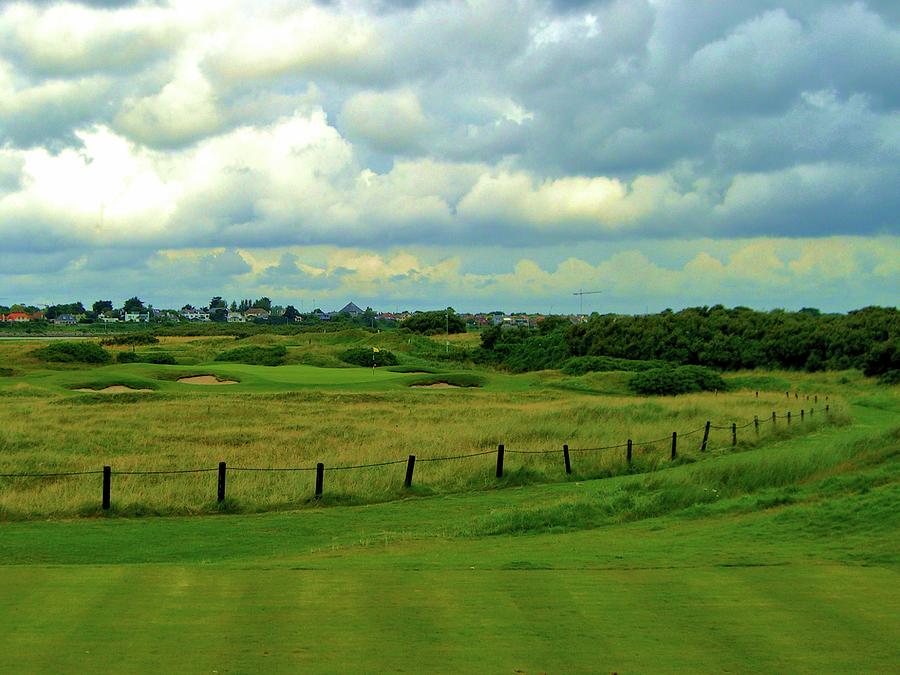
764	544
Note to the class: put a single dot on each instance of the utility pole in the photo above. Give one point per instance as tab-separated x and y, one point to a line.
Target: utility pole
581	293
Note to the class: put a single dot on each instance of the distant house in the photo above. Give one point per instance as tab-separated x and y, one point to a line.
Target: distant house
17	317
192	314
65	320
236	317
255	313
107	318
351	309
136	317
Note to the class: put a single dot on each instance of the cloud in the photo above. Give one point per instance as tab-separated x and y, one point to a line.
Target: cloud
65	39
391	122
184	110
394	125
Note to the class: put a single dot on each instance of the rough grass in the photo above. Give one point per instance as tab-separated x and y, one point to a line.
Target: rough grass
169	430
296	416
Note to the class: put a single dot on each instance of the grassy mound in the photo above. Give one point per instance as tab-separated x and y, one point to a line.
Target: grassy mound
453	379
673	381
580	365
413	369
255	355
158	358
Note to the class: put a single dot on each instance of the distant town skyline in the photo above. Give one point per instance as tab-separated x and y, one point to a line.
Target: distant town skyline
483	155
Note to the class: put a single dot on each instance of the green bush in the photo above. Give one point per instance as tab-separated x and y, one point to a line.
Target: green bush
889	377
365	356
73	352
255	355
127	357
435	323
581	365
672	381
132	340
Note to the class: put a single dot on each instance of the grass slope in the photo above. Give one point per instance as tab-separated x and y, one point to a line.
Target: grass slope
790	564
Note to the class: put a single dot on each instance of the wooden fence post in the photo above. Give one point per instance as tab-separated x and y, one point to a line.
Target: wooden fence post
500	461
802	414
628	452
410	465
107	473
320	479
705	437
789	417
773	418
220	496
566	458
674	444
756	424
816	398
733	434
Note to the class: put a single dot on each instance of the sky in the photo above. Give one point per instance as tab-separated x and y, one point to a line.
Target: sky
486	155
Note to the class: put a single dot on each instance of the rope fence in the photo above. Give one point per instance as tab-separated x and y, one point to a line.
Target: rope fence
411	460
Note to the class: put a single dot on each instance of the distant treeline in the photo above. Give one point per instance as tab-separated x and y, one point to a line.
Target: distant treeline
717	337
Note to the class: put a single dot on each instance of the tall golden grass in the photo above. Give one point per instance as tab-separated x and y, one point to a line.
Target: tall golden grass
50	433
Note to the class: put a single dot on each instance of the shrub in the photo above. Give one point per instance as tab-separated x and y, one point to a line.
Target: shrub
127	357
365	356
435	323
255	355
889	377
132	340
672	381
73	352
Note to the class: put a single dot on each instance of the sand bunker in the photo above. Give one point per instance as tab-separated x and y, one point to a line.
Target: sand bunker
436	385
113	389
205	379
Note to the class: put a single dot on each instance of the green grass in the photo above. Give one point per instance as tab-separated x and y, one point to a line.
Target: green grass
744	582
782	555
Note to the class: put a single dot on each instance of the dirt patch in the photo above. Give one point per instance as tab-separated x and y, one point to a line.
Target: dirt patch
112	389
436	385
205	379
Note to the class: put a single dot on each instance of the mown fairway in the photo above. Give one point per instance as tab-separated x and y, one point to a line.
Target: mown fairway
780	557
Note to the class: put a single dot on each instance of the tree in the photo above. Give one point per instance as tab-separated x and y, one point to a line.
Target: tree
134	305
435	323
102	306
290	314
263	303
217	302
